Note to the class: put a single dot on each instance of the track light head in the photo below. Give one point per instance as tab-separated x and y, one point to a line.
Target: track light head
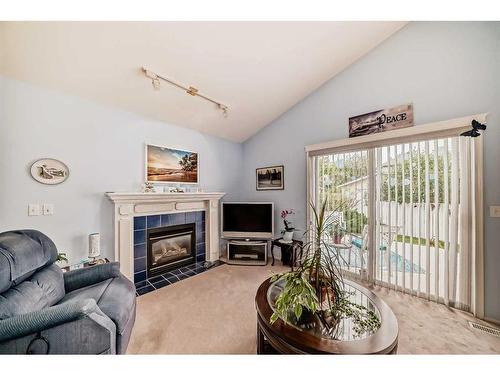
155	80
156	83
149	73
224	109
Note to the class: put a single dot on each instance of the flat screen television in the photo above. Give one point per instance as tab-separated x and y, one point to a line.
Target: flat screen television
253	220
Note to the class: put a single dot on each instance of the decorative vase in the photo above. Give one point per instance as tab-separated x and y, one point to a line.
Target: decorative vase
288	235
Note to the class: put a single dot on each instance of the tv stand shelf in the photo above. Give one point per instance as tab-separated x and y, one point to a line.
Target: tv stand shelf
247	252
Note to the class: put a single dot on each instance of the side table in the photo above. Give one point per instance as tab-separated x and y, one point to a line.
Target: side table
288	251
84	264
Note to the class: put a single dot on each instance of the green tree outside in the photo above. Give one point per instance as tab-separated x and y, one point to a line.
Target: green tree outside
334	172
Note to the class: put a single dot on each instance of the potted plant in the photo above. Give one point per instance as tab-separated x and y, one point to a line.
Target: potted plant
61	259
337	233
315	290
288	231
298	296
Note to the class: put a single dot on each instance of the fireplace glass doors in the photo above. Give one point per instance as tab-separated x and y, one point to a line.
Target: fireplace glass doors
170	247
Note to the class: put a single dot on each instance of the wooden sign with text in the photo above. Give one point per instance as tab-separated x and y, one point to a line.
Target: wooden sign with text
381	120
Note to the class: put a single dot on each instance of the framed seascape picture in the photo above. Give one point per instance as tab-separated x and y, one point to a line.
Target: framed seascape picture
270	178
170	165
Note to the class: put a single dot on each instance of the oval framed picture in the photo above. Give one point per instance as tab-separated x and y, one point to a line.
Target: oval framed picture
49	171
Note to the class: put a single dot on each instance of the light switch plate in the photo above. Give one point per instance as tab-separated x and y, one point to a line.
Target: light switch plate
48	209
495	211
34	209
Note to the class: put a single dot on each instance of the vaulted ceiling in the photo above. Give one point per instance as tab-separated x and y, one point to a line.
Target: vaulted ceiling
258	69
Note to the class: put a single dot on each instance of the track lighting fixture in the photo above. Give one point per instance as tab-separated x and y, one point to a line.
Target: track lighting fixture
193	91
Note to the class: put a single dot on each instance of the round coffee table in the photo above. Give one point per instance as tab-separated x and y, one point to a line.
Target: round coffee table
314	337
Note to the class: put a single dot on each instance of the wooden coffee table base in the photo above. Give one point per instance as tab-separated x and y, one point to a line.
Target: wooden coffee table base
270	344
282	338
274	345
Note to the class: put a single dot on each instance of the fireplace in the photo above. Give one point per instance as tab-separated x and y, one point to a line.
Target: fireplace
170	247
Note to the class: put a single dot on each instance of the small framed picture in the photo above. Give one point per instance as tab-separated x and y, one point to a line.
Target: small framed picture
49	171
270	178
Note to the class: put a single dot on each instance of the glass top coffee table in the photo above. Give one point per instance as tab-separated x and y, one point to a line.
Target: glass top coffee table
316	335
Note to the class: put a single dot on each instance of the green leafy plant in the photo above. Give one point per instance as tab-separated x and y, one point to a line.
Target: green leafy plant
61	257
365	321
355	221
317	285
298	295
320	259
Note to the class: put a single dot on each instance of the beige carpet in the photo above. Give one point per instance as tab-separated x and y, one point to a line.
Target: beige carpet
214	312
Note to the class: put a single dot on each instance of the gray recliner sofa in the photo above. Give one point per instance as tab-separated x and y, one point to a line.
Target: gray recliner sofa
43	310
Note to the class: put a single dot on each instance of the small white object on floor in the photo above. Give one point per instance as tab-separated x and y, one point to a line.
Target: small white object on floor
208	264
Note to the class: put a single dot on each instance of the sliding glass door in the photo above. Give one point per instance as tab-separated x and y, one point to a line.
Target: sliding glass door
402	215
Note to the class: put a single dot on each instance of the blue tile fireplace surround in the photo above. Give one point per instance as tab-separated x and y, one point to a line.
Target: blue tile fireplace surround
145	283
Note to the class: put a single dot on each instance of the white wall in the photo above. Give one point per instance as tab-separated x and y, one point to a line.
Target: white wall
447	69
104	149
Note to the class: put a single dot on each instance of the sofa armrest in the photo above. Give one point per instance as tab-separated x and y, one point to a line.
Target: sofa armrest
83	277
78	327
36	321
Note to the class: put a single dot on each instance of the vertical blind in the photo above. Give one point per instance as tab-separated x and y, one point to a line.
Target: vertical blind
414	200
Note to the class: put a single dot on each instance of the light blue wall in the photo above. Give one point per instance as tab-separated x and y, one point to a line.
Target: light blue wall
446	69
104	149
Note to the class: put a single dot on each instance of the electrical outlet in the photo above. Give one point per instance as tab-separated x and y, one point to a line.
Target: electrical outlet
495	211
34	209
48	209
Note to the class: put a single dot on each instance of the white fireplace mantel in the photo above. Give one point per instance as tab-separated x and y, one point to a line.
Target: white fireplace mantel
129	205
